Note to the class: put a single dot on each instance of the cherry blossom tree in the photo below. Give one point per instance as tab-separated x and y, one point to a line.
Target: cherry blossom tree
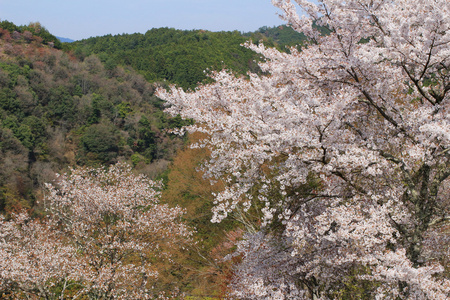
105	229
115	221
344	146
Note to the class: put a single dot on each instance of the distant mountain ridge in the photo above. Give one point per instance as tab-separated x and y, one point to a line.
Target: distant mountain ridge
65	40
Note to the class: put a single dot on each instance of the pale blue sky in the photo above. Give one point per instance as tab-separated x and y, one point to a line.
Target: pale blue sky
78	19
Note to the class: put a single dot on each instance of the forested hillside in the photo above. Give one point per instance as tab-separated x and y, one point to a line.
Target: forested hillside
57	111
183	56
169	54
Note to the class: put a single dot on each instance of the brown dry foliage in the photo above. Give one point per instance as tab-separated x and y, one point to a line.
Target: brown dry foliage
202	268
